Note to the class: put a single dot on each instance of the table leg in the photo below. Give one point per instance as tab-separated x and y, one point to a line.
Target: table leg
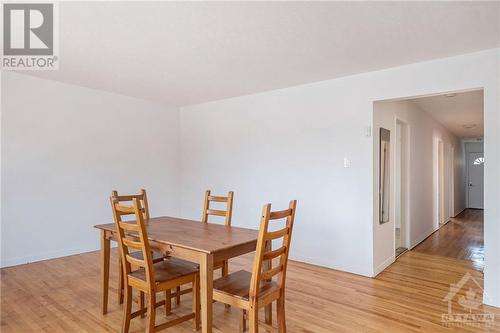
206	291
105	244
268	309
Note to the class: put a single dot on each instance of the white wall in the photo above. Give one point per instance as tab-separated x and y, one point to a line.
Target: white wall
61	143
283	145
290	143
423	133
64	148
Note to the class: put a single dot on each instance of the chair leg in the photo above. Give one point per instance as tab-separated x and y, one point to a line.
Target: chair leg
253	319
196	303
225	268
120	280
168	302
178	296
225	271
268	314
151	312
127	310
243	321
141	302
281	314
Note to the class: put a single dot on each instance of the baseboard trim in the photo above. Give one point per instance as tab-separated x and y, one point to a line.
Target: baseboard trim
429	233
387	262
463	210
423	238
10	262
321	263
489	302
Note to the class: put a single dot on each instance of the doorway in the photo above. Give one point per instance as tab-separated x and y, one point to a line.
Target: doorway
428	180
441	217
451	182
401	187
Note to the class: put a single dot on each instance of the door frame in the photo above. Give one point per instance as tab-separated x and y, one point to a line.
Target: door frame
439	183
451	182
402	181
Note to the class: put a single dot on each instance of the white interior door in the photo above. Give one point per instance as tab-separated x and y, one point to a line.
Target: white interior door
476	180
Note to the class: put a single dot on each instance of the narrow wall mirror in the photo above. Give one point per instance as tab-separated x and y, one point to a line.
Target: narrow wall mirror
385	175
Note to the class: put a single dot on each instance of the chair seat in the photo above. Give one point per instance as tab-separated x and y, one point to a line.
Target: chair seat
157	257
237	284
166	270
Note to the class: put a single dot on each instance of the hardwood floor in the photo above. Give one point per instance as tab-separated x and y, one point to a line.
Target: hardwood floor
462	238
62	295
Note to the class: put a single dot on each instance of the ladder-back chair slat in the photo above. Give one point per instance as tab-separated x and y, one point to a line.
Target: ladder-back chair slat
280	214
124	210
129	226
275	253
132	243
218	199
270	235
135	261
216	212
267	275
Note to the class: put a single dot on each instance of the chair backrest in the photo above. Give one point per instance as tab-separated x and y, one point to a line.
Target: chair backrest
209	211
264	255
142	197
132	235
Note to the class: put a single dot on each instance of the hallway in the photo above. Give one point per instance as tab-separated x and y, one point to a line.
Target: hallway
461	238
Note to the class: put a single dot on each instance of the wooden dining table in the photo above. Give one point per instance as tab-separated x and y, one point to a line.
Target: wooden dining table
197	242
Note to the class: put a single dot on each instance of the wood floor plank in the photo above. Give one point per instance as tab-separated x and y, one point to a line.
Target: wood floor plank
63	295
408	297
461	238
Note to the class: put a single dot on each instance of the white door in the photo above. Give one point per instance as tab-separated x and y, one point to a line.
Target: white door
476	180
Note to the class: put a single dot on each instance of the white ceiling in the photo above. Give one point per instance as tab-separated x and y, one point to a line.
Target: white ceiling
183	53
455	112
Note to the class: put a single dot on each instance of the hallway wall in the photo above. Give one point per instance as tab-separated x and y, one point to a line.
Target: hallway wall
424	132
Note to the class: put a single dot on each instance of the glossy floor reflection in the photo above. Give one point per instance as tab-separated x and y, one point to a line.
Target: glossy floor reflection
462	238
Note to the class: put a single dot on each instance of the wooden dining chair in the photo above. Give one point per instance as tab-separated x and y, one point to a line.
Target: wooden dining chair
157	257
251	291
227	213
208	210
150	278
